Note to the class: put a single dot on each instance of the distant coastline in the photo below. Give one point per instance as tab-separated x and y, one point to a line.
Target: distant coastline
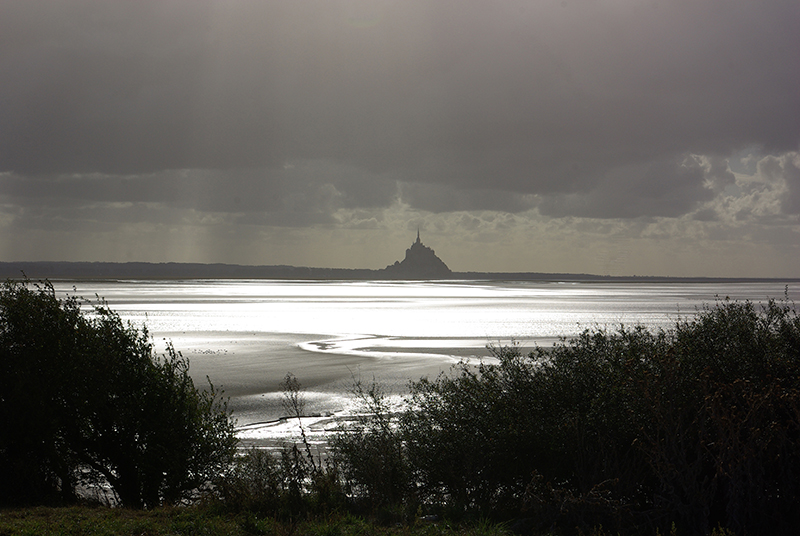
37	270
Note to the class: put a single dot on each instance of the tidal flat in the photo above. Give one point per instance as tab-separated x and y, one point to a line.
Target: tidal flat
246	335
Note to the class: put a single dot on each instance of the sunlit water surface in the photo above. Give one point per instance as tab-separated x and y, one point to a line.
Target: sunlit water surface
247	335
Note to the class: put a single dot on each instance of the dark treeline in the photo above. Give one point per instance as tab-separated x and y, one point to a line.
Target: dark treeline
693	430
85	402
175	270
171	270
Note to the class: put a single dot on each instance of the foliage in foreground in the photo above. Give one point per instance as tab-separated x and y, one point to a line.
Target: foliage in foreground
631	430
84	400
82	521
289	484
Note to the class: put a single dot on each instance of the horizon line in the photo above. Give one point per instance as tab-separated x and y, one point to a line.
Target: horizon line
16	266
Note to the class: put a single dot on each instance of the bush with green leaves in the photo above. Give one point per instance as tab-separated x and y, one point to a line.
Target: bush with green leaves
697	425
288	483
279	483
371	454
84	399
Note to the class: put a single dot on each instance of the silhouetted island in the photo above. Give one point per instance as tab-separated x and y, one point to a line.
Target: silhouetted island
421	262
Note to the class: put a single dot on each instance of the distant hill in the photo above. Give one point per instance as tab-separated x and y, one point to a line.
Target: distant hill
171	270
145	270
420	262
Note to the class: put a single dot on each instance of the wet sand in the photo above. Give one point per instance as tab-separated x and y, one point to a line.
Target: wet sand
250	367
247	335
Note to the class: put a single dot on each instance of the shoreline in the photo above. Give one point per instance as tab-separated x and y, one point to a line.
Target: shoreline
102	271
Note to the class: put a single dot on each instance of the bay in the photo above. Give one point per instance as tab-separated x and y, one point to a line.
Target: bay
246	335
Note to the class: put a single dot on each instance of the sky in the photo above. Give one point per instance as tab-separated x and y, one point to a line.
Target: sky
620	137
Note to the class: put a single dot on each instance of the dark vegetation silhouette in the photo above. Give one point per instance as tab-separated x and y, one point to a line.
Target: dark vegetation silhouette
85	401
420	262
691	430
631	430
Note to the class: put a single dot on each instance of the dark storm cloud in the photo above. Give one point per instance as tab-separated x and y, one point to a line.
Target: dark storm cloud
665	188
590	105
440	198
310	188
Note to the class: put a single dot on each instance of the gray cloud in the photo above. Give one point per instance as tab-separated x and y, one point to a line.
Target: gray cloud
665	188
548	95
309	187
786	170
442	198
291	114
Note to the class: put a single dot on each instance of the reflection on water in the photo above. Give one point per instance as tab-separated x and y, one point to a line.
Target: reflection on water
246	335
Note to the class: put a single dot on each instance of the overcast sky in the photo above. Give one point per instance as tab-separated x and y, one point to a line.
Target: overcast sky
623	137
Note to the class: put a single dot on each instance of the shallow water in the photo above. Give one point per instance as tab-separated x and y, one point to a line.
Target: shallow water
246	335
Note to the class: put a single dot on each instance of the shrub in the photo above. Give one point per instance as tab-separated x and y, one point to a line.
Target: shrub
287	484
629	429
371	456
83	398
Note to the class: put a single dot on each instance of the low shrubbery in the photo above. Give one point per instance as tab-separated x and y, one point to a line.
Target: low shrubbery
630	429
680	431
288	484
86	402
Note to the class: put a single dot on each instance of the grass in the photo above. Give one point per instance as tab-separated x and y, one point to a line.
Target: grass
99	521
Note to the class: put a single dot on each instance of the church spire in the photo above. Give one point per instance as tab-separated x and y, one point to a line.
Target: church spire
417	235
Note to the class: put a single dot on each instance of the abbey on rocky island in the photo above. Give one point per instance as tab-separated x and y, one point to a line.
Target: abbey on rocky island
420	263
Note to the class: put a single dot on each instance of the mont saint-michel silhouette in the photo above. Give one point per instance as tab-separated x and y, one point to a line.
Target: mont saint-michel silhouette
420	263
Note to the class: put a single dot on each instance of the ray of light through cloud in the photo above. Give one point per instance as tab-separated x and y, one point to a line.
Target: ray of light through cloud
625	137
